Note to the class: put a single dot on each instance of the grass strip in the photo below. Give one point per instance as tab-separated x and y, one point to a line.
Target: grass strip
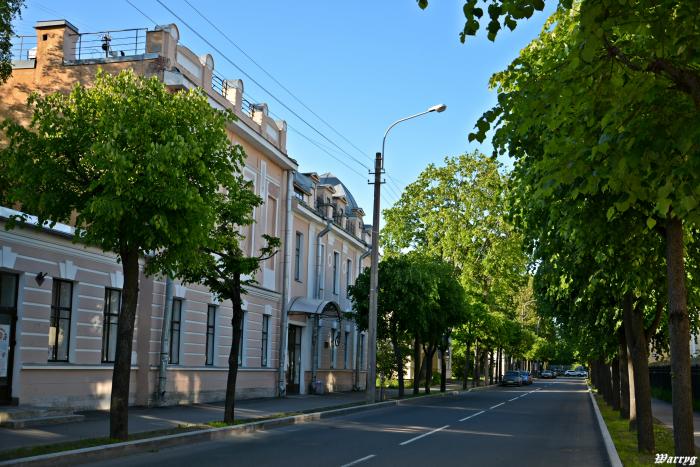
626	440
30	451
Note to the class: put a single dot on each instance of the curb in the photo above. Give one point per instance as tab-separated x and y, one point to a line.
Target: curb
607	440
109	451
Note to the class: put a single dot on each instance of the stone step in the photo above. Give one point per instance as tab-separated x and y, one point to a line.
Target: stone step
19	423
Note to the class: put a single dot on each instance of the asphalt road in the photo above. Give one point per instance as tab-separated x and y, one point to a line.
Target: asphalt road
548	423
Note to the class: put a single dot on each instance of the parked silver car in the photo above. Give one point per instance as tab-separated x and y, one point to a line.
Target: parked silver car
512	378
526	376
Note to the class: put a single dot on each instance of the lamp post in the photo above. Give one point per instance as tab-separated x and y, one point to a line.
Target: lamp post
374	265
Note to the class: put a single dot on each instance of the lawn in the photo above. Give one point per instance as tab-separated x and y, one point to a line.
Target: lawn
626	441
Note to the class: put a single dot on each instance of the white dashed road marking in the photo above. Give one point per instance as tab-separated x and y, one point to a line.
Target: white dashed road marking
497	405
366	458
423	435
471	416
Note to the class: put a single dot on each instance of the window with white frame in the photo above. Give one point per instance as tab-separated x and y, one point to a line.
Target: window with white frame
211	329
264	340
336	272
346	350
297	256
348	276
322	266
110	323
334	346
59	326
175	323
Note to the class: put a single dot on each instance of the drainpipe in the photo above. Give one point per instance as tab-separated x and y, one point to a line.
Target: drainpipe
165	341
286	284
356	385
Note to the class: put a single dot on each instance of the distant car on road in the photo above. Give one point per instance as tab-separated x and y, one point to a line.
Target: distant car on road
571	373
527	377
512	378
583	373
547	374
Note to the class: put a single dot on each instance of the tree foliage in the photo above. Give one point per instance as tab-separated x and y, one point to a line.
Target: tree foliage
9	10
137	170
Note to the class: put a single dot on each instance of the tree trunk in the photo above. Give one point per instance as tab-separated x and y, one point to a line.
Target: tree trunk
607	382
443	371
421	374
632	392
634	329
398	357
679	334
236	322
476	366
467	358
484	365
491	367
121	374
624	376
616	383
429	352
417	365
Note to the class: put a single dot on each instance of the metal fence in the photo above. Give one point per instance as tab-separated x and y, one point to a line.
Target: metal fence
23	47
110	44
660	378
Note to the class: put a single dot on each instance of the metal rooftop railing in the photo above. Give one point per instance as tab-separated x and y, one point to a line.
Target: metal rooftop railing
110	44
23	47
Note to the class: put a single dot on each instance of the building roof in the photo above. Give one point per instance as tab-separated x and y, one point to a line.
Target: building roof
341	190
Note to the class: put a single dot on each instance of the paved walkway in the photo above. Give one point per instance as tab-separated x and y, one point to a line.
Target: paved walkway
663	411
141	419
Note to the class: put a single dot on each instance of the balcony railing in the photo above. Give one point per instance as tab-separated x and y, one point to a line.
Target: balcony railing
110	44
23	47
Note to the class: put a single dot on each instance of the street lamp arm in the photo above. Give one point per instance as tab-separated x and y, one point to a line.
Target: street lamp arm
397	122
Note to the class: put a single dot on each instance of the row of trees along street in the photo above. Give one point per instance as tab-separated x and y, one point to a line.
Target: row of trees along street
600	115
454	271
142	173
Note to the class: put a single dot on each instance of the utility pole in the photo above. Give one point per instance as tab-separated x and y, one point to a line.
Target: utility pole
370	390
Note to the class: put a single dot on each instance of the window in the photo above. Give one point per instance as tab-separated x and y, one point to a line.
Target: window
59	330
346	350
297	256
271	229
322	266
334	346
211	326
240	341
348	276
362	351
298	194
336	272
264	339
175	331
113	301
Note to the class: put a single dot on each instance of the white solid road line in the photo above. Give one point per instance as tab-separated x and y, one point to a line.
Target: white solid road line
497	405
471	416
423	435
511	400
366	458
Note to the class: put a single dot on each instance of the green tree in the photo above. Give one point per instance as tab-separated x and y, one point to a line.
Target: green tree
222	265
136	169
605	95
9	9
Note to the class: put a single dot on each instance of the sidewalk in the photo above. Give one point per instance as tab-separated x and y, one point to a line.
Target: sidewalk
96	423
663	411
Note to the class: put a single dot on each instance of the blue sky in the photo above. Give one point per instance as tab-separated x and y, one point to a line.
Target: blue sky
359	65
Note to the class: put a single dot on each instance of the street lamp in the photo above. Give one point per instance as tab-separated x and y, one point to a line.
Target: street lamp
374	265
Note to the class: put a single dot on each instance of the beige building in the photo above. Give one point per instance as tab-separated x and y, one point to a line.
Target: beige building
59	300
